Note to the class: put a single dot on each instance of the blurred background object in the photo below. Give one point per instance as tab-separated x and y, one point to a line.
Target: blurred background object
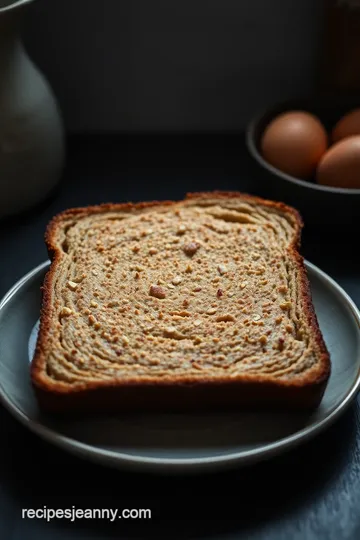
340	63
31	131
330	196
204	67
328	199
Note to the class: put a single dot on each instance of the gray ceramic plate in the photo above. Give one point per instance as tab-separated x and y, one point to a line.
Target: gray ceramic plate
178	443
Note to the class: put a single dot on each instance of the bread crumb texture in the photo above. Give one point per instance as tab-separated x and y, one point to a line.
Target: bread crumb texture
204	289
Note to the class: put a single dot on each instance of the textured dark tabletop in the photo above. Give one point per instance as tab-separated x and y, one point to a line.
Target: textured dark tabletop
312	493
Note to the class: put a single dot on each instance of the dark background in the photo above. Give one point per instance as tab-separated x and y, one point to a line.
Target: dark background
174	66
147	90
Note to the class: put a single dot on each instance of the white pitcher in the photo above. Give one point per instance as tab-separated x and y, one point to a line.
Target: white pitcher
32	144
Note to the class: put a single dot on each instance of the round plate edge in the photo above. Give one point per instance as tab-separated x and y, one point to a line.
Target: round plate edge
119	460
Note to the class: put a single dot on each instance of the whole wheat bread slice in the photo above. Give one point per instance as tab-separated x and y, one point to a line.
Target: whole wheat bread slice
179	305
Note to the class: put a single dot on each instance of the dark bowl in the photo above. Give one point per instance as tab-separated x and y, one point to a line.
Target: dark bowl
321	207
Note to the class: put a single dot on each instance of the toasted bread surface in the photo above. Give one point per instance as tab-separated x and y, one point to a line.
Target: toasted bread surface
187	304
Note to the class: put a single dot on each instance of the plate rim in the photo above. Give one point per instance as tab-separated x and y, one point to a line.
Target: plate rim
246	457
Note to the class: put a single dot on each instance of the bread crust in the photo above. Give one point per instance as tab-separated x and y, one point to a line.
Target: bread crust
178	393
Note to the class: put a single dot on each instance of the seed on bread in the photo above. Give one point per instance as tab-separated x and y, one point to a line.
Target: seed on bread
225	318
66	312
181	229
191	248
172	332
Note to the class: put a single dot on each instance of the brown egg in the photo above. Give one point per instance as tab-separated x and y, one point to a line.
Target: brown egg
340	166
294	142
347	126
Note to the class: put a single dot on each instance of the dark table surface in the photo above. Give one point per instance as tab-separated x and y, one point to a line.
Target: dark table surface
310	493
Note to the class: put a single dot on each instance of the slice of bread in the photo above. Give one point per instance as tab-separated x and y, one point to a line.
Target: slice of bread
198	304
